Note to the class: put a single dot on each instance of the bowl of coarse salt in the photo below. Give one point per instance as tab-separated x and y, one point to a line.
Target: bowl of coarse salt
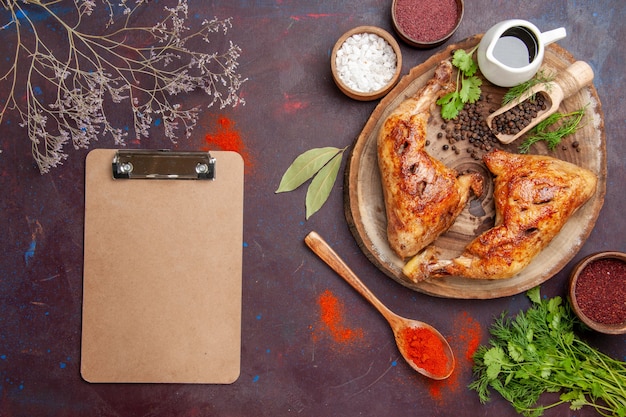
366	63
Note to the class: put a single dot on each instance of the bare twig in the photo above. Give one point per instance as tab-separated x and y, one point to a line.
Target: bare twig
147	67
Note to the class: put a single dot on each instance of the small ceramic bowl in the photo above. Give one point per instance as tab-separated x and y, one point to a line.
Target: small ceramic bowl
400	18
590	287
353	92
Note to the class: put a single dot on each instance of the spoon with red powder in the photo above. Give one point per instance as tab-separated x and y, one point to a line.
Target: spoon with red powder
421	345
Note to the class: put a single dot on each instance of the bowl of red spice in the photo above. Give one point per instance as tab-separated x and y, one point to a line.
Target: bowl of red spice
597	292
426	23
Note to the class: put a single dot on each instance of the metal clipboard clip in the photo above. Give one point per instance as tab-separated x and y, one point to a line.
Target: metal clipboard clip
163	164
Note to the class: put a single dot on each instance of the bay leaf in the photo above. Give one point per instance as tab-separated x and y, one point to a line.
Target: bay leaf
305	166
322	184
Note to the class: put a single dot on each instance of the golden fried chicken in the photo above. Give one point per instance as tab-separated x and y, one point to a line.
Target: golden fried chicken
534	197
422	196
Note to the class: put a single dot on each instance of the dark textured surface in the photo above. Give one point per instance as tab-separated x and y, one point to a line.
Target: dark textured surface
290	364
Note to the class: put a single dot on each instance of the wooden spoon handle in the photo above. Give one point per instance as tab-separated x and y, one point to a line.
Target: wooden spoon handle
328	255
575	77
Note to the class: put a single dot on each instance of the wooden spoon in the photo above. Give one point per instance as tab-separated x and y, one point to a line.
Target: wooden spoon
566	83
397	323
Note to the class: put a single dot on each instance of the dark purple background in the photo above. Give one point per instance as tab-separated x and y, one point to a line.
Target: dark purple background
289	365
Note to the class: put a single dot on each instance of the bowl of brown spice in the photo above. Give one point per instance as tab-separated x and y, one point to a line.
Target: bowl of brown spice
597	292
426	23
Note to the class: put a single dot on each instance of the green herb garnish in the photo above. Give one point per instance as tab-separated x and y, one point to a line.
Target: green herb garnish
515	92
538	352
467	85
321	164
569	123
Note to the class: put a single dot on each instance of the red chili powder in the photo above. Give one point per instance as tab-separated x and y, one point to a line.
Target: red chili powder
426	20
601	291
425	349
227	138
465	339
332	317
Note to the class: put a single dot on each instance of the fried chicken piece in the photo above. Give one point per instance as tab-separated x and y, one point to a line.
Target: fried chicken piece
422	196
534	197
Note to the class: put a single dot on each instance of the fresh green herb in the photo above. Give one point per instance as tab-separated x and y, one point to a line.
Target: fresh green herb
321	164
467	85
569	123
538	352
516	91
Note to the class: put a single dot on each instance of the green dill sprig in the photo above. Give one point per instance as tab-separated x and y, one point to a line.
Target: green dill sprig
569	123
515	92
537	351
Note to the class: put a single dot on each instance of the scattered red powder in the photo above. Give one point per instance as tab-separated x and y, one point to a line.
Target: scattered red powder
465	340
311	15
292	104
227	138
470	336
332	318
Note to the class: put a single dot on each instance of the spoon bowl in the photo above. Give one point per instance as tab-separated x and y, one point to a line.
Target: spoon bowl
400	325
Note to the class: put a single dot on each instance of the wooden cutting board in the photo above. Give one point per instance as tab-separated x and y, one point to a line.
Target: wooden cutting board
365	209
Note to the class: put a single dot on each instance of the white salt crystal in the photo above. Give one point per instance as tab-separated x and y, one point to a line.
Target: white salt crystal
365	62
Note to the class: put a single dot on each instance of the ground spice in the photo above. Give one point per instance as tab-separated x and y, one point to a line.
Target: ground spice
426	20
227	138
601	291
425	349
332	316
466	338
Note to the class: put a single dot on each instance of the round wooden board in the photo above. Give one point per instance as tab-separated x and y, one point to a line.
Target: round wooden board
365	209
